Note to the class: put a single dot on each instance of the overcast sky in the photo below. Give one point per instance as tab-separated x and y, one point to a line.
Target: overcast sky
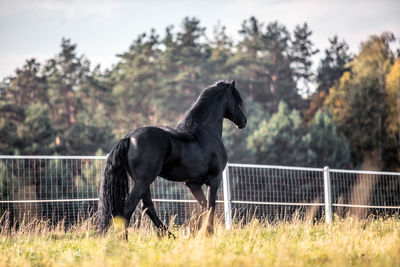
104	28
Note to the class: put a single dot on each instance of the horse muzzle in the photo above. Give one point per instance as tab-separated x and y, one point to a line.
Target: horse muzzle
242	124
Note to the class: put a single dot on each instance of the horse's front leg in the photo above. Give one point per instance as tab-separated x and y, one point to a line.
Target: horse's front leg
212	197
198	194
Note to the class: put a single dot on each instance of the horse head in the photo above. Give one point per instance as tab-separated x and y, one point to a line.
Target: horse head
235	106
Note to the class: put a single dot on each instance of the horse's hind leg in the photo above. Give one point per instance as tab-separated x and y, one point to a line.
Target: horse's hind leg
133	199
143	175
142	184
149	209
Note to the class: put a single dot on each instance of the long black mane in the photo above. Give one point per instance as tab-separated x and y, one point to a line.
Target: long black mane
201	108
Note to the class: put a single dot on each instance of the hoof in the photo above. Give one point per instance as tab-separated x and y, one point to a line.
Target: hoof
210	230
120	226
125	236
171	235
163	232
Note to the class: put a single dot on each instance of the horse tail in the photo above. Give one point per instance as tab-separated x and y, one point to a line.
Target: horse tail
114	185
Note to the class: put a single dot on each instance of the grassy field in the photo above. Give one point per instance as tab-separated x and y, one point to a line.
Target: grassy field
346	242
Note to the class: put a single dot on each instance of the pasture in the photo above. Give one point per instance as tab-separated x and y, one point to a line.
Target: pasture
345	242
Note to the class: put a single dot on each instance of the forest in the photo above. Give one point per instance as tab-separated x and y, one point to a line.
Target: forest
342	111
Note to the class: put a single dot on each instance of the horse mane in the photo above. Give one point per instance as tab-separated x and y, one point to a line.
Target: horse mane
201	108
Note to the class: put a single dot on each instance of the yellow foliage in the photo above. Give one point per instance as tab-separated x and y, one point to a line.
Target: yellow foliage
373	62
317	101
393	99
375	57
336	100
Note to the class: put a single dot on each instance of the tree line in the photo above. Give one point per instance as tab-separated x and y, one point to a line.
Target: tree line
345	114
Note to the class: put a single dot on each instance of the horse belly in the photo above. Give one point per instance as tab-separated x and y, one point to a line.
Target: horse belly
186	168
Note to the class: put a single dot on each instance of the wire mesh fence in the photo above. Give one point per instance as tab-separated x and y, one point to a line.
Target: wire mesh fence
65	188
53	188
365	192
275	192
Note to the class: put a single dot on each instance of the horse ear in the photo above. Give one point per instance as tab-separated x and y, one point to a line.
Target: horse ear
233	84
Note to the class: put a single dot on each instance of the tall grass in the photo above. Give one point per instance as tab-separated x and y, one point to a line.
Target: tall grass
346	242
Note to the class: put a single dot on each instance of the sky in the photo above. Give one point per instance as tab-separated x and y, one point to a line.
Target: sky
104	28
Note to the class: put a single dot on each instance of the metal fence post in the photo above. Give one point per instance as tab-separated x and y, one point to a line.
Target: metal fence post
227	197
328	195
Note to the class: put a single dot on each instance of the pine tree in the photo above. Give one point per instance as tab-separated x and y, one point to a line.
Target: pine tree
330	69
135	86
65	72
281	77
326	145
18	93
302	53
262	64
37	133
249	62
221	52
185	69
278	140
333	64
93	130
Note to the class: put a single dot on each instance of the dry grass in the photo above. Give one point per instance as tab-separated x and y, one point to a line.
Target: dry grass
346	242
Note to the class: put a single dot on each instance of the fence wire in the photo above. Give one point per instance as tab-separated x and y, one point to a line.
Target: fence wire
65	188
365	192
275	192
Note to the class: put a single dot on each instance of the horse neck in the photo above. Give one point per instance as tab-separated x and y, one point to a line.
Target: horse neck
213	120
209	118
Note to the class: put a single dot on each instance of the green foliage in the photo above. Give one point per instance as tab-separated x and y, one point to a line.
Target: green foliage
81	139
37	131
24	125
62	107
262	65
65	73
9	183
302	51
327	147
283	139
333	64
279	139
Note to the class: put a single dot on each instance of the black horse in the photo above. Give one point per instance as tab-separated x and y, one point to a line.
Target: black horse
192	152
